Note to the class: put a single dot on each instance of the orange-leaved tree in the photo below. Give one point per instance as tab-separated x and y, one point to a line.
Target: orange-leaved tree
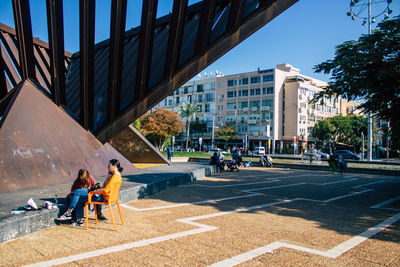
159	125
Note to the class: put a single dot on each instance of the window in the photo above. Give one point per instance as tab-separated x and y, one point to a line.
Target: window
255	79
170	102
255	91
232	82
165	102
177	100
207	108
268	116
244	81
200	108
210	97
254	128
199	98
255	116
209	86
268	78
242	128
268	90
254	104
243	104
243	93
231	94
231	106
200	88
268	102
231	118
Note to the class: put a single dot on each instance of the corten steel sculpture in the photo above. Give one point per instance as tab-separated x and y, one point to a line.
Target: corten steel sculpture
105	86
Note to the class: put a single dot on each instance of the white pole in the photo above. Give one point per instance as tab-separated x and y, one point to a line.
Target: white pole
212	136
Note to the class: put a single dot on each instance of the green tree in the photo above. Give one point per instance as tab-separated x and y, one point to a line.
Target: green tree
160	125
369	69
188	111
323	130
136	124
226	133
342	129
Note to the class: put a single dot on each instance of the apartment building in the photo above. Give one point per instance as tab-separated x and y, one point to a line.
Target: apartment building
268	107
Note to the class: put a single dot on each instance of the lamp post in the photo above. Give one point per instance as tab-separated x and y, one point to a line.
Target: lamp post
356	10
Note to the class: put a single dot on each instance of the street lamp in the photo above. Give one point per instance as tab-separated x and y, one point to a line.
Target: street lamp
357	8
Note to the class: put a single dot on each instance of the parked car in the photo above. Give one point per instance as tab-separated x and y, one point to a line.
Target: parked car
323	155
346	154
258	150
306	156
217	150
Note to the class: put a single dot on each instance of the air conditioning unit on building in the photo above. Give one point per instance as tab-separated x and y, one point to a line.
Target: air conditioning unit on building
255	133
245	109
254	109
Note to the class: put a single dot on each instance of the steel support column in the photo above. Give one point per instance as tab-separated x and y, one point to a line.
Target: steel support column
206	21
149	13
117	36
86	17
22	19
175	37
235	15
55	26
3	84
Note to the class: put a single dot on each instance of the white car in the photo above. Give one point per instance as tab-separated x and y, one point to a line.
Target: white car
217	150
315	156
259	150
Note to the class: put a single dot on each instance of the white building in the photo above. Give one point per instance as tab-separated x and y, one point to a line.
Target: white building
271	104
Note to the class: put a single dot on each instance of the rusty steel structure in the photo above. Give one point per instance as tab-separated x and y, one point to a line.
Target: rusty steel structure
106	86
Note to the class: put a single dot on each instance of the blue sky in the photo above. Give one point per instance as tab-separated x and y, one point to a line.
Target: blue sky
304	35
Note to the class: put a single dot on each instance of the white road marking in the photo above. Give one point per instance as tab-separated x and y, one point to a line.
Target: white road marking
384	203
332	253
202	228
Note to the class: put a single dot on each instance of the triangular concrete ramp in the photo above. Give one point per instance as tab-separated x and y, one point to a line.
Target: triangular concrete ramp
40	144
136	148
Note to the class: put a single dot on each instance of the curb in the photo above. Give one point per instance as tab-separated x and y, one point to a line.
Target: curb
27	223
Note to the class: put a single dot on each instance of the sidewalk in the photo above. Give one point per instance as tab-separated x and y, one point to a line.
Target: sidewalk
143	182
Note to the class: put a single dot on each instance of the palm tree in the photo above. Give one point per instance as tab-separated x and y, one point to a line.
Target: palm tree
188	111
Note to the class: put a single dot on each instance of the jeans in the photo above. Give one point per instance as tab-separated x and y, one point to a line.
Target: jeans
81	203
78	193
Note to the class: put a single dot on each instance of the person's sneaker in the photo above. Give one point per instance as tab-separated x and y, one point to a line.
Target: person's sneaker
78	222
65	216
101	217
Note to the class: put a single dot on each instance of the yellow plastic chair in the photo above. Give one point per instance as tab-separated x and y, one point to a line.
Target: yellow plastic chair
113	198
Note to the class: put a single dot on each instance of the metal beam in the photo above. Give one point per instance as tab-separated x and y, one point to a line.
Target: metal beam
22	19
175	37
56	43
254	22
118	17
206	21
147	27
235	15
3	84
86	23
